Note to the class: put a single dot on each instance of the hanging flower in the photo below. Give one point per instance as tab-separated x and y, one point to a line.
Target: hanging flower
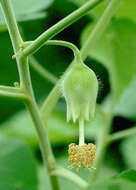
80	87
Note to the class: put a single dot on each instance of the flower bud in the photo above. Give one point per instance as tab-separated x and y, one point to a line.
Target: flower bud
80	87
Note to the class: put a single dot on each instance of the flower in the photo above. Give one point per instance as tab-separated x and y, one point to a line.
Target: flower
80	87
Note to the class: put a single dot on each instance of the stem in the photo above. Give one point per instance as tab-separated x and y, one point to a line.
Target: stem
81	132
11	24
61	25
26	86
42	71
33	109
119	135
18	95
64	173
69	45
10	88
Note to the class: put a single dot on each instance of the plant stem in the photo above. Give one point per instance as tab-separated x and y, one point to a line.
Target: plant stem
26	87
33	109
10	88
121	134
69	45
64	173
11	24
18	95
81	132
61	25
42	71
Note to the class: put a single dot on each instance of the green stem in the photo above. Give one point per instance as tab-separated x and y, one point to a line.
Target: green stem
81	132
15	95
42	71
69	45
121	134
61	25
11	24
33	109
64	173
10	88
26	87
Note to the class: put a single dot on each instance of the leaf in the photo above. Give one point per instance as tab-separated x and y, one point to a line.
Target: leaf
127	10
17	166
28	10
116	50
127	148
124	181
126	105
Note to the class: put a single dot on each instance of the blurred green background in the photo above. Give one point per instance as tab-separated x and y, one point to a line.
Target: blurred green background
113	58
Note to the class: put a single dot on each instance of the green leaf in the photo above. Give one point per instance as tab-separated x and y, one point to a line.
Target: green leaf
17	166
124	181
28	10
127	10
116	50
127	148
127	103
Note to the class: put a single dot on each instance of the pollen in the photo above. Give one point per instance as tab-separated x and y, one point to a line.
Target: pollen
82	156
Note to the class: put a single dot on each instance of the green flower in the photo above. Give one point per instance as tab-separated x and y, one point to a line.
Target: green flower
80	87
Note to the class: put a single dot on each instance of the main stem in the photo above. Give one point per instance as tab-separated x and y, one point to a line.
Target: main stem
33	109
26	87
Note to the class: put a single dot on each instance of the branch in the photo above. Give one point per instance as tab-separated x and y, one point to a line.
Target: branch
10	88
19	95
121	134
11	24
69	45
61	25
64	173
